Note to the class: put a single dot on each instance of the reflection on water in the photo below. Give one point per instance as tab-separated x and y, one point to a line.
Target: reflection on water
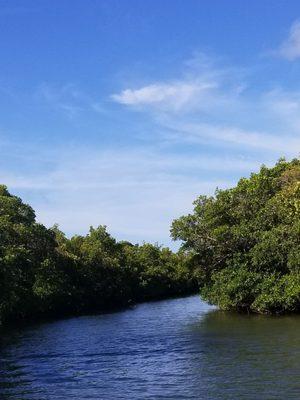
174	349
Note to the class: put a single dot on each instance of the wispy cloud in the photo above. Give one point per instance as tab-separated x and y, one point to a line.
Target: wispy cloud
214	106
173	95
232	137
67	99
209	129
201	87
135	192
290	48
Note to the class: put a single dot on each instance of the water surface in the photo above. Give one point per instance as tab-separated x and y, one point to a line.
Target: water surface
172	349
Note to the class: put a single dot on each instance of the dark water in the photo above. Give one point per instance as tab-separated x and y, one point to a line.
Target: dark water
174	349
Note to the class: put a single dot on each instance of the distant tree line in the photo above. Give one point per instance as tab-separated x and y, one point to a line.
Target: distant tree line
43	273
241	247
245	242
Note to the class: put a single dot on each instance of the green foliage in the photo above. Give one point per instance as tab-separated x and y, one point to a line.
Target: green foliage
43	273
246	241
24	245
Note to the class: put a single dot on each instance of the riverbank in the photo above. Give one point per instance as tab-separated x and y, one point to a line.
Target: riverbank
43	273
23	324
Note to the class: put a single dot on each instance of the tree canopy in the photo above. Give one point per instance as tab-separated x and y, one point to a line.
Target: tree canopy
240	246
44	273
245	241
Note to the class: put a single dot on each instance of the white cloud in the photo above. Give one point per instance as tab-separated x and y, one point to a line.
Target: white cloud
174	95
290	48
214	106
135	192
202	87
202	123
231	137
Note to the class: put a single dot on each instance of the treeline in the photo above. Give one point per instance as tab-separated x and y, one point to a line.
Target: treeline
246	242
241	247
43	273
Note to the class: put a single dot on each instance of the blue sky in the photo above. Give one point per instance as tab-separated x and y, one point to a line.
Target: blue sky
123	112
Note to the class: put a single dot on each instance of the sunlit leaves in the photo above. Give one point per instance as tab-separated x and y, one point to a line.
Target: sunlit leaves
248	236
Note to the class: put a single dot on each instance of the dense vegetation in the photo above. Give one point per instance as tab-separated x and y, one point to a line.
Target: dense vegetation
246	242
241	246
43	273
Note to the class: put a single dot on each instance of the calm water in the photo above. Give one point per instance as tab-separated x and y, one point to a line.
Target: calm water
174	349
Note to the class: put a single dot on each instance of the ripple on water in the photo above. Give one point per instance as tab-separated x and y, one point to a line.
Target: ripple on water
172	349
